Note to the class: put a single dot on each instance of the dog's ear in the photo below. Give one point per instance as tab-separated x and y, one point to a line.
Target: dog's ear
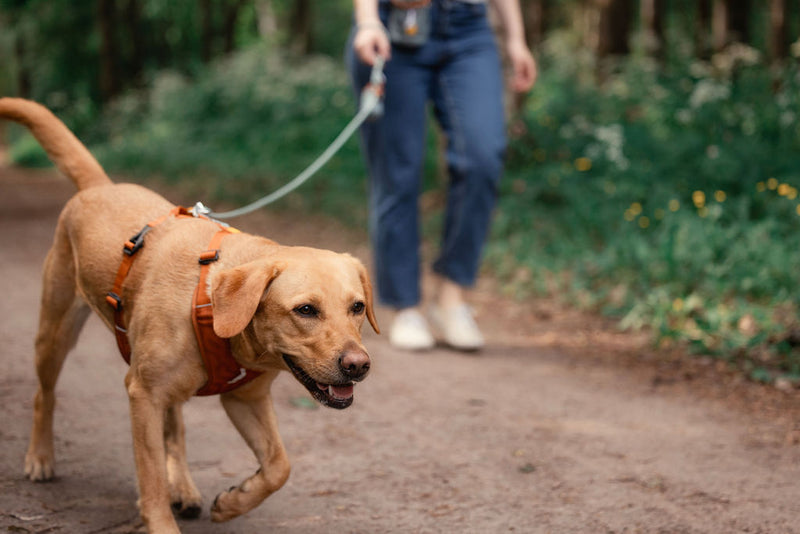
236	292
367	285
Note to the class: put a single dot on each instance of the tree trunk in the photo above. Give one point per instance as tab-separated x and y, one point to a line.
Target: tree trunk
613	27
719	25
777	45
652	22
739	20
534	14
20	54
702	28
206	30
267	22
133	16
300	27
109	80
229	26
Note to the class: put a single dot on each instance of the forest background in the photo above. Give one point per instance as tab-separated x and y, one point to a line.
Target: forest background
652	175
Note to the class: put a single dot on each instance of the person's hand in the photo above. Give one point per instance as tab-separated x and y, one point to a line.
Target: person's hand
371	41
523	66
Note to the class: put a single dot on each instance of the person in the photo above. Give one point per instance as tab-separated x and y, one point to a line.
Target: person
443	52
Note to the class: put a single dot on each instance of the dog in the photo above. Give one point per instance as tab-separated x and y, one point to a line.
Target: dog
271	307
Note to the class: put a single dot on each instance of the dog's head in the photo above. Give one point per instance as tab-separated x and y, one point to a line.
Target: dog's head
300	309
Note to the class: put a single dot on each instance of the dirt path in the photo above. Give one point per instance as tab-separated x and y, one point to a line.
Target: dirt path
560	425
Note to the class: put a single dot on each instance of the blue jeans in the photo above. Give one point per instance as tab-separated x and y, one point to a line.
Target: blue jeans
458	71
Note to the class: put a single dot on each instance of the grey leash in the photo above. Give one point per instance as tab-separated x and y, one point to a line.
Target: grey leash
371	105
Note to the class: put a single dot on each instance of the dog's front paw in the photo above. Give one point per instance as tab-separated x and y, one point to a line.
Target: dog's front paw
187	510
185	499
246	496
227	505
39	467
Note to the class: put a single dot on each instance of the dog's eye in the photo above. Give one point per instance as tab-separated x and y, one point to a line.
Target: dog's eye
306	310
357	308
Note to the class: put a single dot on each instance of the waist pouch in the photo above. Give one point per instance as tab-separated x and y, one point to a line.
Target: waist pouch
409	22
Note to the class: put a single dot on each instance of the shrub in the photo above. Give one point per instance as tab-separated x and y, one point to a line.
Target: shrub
668	196
241	130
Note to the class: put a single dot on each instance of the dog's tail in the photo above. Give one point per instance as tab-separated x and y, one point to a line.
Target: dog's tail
61	145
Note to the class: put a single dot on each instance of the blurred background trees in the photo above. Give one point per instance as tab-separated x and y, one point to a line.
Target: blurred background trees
653	173
98	49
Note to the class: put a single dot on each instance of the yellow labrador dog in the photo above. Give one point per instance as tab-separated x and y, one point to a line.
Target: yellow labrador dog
267	308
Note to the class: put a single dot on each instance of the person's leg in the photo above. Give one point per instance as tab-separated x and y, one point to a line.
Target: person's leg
468	100
394	147
469	106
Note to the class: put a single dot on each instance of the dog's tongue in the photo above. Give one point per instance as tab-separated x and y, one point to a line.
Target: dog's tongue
341	392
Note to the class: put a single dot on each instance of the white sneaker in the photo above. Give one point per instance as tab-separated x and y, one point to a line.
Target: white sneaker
410	331
456	326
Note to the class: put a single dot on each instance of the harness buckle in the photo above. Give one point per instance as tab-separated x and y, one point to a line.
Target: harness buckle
114	300
209	256
133	245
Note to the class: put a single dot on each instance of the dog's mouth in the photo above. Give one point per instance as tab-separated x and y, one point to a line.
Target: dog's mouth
338	396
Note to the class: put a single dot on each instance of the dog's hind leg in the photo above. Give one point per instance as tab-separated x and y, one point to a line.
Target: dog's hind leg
148	414
184	495
61	318
250	409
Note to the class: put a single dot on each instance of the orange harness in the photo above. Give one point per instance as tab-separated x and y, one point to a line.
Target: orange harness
224	372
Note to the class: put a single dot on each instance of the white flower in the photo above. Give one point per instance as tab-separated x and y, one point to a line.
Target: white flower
795	49
683	116
707	91
612	140
787	118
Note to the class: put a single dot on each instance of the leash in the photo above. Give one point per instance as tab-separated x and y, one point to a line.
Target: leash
370	107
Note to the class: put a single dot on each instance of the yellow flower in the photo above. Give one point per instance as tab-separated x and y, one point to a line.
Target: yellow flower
583	164
772	184
674	205
644	222
636	208
720	196
761	187
699	199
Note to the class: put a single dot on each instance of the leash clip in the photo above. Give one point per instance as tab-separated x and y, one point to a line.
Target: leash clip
200	210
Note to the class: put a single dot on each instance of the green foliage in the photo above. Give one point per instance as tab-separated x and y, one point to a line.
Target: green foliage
59	47
27	151
668	196
241	130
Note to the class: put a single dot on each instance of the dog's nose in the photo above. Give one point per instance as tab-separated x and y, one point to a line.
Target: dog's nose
354	364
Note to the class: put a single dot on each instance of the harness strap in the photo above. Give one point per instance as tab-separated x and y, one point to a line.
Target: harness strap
224	372
114	297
